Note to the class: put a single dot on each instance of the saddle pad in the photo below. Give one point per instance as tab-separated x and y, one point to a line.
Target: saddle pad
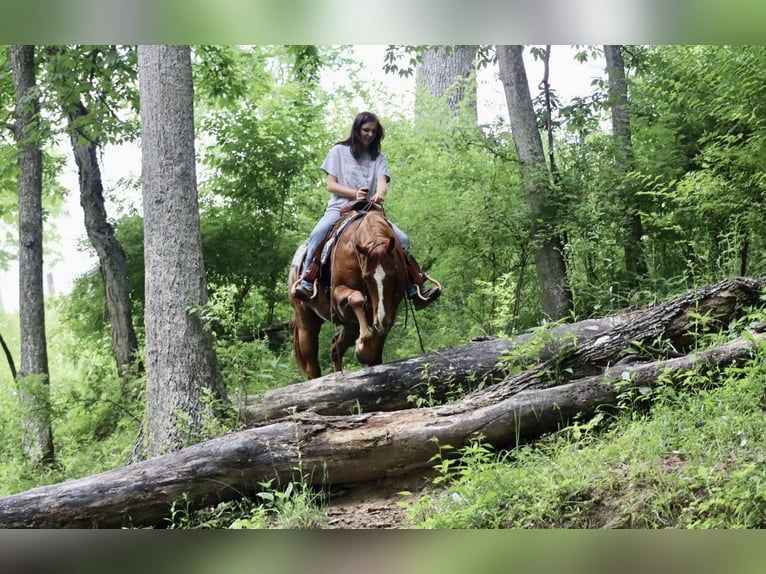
299	255
339	229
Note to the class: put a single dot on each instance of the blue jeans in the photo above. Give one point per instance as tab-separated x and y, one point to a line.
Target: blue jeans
323	227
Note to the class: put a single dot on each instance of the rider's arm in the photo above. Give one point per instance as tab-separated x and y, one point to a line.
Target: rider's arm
334	187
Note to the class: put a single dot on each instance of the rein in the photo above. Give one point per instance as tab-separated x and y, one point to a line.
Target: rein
368	206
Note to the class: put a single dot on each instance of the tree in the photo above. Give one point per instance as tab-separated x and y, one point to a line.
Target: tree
260	163
181	365
635	261
33	376
80	75
697	124
549	259
445	71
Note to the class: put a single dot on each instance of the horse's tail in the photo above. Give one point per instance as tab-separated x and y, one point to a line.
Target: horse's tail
296	347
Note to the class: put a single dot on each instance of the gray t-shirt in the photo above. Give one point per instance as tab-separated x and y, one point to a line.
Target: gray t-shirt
353	173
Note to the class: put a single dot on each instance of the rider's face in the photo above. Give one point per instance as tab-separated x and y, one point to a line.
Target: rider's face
369	130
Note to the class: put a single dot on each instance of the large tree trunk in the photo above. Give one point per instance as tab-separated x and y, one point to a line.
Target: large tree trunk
331	450
635	261
180	359
446	70
111	256
33	376
677	323
549	258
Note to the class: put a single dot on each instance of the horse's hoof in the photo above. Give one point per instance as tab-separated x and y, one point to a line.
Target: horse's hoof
362	357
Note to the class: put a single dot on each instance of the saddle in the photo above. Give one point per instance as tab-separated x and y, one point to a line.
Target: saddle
350	212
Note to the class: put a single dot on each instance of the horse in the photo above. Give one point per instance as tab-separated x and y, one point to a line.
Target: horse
366	284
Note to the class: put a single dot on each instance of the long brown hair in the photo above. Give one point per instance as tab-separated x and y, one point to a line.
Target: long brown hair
354	139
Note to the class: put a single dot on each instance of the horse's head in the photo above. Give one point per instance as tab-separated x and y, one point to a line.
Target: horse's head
384	278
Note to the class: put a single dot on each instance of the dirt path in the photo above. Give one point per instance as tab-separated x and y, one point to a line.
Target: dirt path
374	505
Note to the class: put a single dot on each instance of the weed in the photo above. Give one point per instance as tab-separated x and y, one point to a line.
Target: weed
428	395
696	462
425	398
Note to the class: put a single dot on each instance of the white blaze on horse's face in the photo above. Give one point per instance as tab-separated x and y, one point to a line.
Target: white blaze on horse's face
379	275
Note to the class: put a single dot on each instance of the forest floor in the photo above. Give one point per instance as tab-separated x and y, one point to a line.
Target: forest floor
376	504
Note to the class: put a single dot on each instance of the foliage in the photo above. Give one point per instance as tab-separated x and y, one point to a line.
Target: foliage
693	459
101	79
701	108
94	417
480	211
294	506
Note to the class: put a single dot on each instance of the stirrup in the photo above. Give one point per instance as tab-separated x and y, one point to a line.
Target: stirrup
295	292
419	293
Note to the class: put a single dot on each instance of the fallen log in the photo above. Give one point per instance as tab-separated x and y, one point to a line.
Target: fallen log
386	387
677	323
568	351
325	450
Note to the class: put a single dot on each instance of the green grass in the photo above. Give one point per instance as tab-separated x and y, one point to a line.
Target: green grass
696	459
94	425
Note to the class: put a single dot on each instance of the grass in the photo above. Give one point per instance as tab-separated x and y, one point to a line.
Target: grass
696	459
294	506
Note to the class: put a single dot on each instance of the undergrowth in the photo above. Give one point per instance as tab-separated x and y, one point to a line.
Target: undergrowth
695	458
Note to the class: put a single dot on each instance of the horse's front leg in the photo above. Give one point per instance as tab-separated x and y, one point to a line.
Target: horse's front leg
349	301
341	342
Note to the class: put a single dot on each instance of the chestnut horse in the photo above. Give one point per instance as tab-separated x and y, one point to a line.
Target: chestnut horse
366	284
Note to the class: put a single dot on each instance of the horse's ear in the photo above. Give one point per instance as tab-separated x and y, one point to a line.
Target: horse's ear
391	245
362	249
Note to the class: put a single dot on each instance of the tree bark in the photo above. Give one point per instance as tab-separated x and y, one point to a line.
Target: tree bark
387	387
677	323
33	376
635	261
549	258
180	359
111	256
330	450
447	71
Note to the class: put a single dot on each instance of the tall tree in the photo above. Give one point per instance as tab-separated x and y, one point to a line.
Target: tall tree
549	260
111	256
635	261
548	98
33	377
446	71
181	364
80	77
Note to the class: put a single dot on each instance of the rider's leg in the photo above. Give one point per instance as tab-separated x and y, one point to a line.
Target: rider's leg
415	277
320	231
